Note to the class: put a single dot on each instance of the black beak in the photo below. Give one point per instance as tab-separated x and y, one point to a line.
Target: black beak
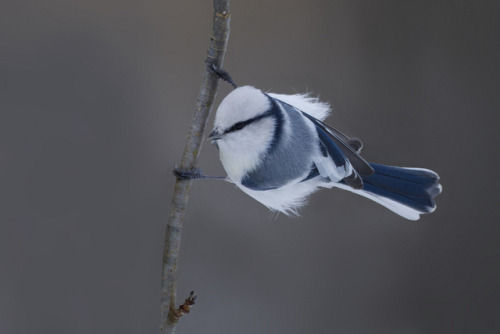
214	135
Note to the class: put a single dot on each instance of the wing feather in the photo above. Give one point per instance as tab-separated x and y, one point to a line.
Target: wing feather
358	163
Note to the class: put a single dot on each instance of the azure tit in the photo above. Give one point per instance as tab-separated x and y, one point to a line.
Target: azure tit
276	149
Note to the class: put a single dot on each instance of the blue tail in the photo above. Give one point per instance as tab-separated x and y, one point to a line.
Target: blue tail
407	191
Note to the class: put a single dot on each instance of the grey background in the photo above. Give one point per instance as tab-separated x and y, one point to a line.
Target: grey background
96	98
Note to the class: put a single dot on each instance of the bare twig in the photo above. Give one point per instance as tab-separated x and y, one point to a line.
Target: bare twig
216	51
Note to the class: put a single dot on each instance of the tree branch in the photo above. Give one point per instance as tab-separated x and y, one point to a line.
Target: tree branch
204	102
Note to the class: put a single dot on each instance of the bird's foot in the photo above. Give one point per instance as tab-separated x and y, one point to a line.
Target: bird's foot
221	73
192	174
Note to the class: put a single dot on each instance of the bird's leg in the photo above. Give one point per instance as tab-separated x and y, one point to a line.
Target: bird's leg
221	73
193	174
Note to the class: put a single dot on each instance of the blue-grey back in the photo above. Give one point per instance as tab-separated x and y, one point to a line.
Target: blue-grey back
289	156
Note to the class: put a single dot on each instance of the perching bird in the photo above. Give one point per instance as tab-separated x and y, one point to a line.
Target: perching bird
276	149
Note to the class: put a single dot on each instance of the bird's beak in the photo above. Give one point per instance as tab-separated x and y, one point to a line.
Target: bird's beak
214	135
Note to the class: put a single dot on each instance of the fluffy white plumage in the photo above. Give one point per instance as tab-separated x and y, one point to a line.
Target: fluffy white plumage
242	151
305	102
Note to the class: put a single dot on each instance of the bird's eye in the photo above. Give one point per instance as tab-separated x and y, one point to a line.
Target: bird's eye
239	126
236	127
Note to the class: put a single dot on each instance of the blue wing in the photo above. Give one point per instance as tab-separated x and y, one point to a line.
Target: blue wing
343	151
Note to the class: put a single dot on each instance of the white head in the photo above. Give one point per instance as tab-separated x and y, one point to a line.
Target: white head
243	130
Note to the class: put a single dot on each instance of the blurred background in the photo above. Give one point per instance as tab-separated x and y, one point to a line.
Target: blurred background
96	98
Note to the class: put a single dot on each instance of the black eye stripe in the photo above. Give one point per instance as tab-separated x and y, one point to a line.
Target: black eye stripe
241	125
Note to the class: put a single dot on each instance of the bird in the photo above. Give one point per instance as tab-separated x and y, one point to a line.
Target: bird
277	149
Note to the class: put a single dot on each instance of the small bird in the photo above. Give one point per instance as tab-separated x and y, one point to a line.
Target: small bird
275	148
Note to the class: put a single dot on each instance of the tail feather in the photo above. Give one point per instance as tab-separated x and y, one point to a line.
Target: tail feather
423	205
408	192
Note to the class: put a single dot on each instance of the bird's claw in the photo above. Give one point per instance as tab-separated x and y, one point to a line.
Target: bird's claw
222	74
